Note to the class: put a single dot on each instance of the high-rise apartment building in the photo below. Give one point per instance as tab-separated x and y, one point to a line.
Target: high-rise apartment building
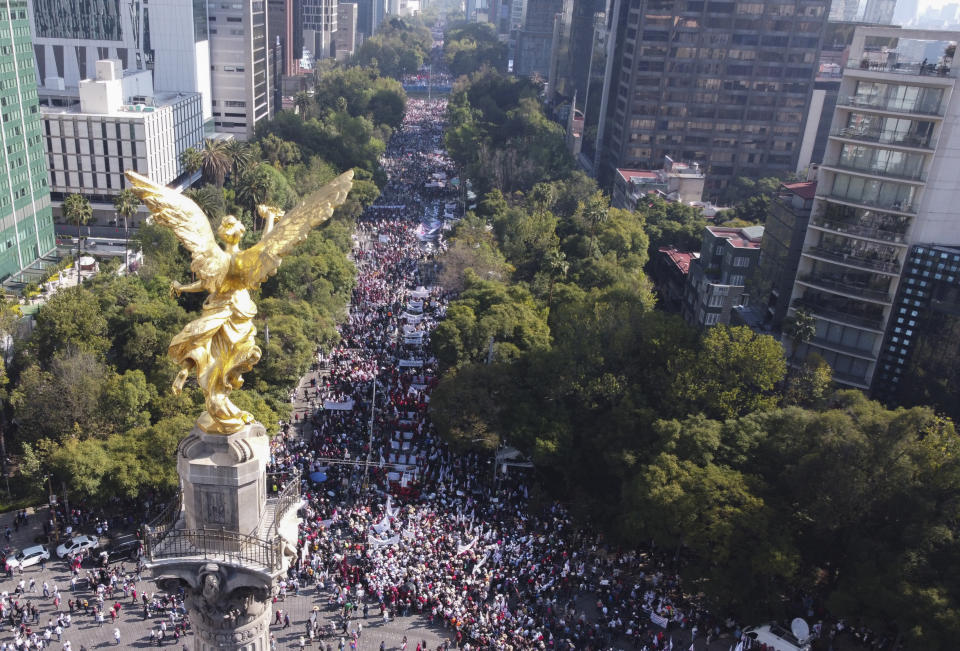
724	83
240	65
26	222
888	181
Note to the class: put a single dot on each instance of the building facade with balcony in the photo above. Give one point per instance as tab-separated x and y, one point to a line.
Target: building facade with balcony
716	282
888	180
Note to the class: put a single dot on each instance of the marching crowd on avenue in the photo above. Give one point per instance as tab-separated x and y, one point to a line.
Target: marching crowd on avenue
393	522
436	534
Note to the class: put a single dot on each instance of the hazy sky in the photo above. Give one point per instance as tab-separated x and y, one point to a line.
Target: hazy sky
932	3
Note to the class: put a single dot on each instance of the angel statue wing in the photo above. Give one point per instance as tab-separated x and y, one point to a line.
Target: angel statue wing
181	215
263	258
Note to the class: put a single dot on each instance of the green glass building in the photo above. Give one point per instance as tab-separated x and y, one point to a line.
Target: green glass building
26	221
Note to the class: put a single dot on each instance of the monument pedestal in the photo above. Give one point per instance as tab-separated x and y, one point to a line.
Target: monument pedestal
229	543
224	479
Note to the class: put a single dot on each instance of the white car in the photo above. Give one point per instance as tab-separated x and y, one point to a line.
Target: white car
76	545
27	557
778	638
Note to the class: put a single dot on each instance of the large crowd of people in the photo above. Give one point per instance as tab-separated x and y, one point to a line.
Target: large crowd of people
395	522
429	531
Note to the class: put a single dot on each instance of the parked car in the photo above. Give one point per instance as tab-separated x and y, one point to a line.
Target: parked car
76	545
122	548
27	557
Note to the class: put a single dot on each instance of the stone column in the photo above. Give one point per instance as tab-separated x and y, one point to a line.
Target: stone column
224	550
229	606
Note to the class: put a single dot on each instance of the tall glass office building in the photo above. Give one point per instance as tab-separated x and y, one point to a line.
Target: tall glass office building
26	222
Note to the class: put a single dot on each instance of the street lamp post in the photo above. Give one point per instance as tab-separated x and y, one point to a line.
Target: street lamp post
126	243
373	411
78	250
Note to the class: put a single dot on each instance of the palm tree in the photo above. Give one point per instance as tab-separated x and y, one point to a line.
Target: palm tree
595	212
76	207
210	200
192	160
126	204
302	102
216	161
557	267
240	157
252	189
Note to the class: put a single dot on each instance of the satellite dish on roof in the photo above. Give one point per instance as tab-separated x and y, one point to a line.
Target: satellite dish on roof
800	629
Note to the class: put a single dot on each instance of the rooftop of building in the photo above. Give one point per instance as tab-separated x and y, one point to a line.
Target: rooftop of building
638	176
747	237
112	91
890	49
158	100
671	168
681	259
804	189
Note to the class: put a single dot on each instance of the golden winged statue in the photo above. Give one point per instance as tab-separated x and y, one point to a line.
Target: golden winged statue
219	345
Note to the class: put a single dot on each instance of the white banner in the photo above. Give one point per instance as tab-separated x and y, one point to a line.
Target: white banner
478	566
338	406
380	542
391	512
658	620
462	549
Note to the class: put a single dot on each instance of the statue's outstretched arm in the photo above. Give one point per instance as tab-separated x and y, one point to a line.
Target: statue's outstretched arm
263	258
177	288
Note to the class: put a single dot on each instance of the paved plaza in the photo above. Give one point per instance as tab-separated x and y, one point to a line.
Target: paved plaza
135	630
